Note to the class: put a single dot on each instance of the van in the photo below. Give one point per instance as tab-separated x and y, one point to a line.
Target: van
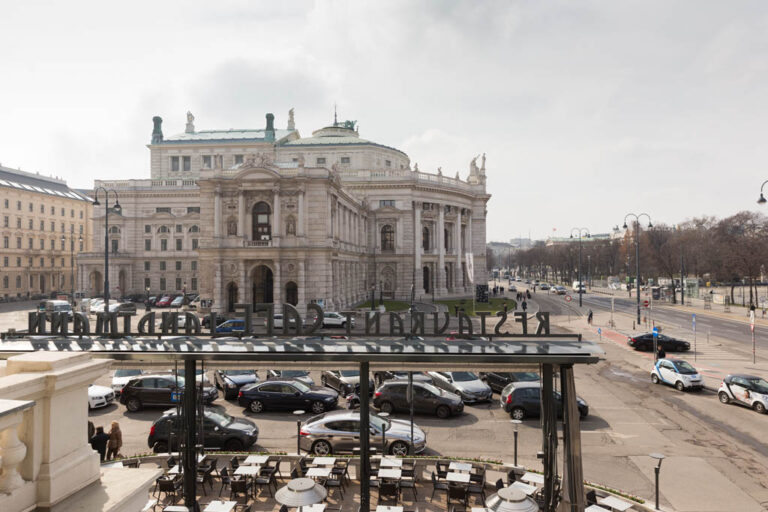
57	306
576	287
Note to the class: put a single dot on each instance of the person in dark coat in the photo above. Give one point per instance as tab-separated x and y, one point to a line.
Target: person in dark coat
524	305
661	354
99	442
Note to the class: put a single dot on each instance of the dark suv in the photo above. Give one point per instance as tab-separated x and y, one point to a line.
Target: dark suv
427	399
523	400
159	390
220	430
645	342
499	380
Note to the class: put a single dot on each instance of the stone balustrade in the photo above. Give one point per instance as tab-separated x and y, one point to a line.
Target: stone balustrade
12	450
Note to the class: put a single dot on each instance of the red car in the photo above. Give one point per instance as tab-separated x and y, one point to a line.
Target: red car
164	302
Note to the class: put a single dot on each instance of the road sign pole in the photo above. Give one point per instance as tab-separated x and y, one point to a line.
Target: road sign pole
655	344
693	319
752	328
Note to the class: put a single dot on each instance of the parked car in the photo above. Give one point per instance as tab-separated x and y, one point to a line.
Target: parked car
277	322
99	396
678	373
746	390
381	376
499	380
560	290
512	288
343	381
126	307
286	395
200	376
121	377
392	396
220	431
465	384
339	431
300	375
177	302
57	306
158	390
206	320
645	342
164	301
232	325
523	399
230	381
543	286
334	319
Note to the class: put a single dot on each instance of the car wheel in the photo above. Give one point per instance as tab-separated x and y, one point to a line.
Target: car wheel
386	407
759	408
256	406
323	381
399	449
318	407
133	405
724	398
443	412
233	445
343	325
654	378
518	413
680	386
322	448
160	447
582	415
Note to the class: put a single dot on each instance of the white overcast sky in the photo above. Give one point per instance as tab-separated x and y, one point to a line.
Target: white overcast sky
586	110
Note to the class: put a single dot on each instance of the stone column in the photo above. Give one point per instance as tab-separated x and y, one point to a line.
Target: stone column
300	223
277	289
417	248
218	303
241	215
217	212
458	285
302	306
471	250
243	292
441	290
276	219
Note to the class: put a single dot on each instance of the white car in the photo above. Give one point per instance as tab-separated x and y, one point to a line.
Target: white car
678	373
99	396
746	390
121	377
333	319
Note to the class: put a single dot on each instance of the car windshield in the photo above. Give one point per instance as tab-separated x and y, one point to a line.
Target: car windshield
463	376
685	368
219	417
127	373
350	373
759	385
182	372
179	380
300	386
238	372
292	374
432	389
380	423
63	307
526	376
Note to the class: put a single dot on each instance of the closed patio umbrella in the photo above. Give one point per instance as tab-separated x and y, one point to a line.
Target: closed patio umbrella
509	499
300	492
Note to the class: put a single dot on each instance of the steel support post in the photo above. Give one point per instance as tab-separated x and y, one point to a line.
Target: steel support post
189	456
549	438
365	430
573	477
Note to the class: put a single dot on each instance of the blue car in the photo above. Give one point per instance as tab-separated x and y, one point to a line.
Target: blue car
234	325
678	373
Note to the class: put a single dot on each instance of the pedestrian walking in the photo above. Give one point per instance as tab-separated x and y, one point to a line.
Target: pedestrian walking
99	442
115	441
660	354
589	317
524	305
505	306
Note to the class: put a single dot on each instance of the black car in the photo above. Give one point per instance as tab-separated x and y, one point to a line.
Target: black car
499	380
381	376
392	396
287	395
206	320
645	342
523	399
344	381
220	431
158	390
300	375
230	381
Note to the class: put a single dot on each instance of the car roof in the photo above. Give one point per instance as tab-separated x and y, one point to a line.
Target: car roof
277	381
526	384
743	376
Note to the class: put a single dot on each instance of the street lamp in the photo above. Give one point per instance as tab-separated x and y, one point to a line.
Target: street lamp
71	263
580	232
117	209
656	470
516	423
762	197
298	413
637	254
384	415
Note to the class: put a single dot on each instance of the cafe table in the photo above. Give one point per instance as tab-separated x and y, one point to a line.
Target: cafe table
388	462
390	473
175	508
480	509
319	472
248	470
175	470
460	466
533	478
596	508
388	508
220	506
615	503
527	489
256	459
324	461
461	478
317	507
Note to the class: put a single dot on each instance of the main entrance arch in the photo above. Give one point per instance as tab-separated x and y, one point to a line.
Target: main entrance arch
291	293
262	283
231	297
427	282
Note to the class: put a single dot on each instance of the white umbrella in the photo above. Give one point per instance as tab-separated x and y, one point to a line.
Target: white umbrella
509	499
300	492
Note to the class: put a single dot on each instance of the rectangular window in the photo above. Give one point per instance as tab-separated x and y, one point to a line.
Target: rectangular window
187	161
162	266
63	212
5	242
178	283
53	226
42	243
5	203
81	246
162	209
178	244
162	284
179	228
18	242
42	262
174	163
387	163
238	159
72	213
114	245
146	283
18	261
81	214
6	222
18	222
62	227
164	244
194	244
194	283
147	228
81	229
30	224
193	209
147	266
147	244
31	242
178	265
193	266
62	245
320	161
5	261
53	210
207	161
62	262
345	159
386	202
18	205
42	225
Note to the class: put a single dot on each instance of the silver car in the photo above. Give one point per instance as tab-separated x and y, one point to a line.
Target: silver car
465	384
339	431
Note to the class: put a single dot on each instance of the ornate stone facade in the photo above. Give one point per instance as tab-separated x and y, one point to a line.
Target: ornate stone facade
266	215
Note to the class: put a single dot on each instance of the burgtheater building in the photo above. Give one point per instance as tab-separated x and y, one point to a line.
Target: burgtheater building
266	215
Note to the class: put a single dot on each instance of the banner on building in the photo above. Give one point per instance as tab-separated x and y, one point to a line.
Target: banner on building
468	257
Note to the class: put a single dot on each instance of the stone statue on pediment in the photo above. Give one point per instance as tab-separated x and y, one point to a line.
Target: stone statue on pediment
439	171
473	169
416	167
291	123
190	123
482	163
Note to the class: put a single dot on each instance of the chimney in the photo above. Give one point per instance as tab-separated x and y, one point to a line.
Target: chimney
270	131
157	131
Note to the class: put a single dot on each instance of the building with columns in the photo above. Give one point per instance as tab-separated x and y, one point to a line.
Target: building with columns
265	215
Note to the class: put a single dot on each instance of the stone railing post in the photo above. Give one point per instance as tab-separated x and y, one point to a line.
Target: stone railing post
12	450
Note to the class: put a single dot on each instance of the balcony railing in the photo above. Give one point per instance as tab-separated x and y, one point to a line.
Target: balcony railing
257	243
12	450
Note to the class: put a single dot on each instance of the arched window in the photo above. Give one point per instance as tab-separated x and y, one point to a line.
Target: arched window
447	239
387	238
163	229
290	226
425	238
194	229
231	226
262	229
114	230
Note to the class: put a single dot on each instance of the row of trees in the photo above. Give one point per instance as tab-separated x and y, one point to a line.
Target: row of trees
725	250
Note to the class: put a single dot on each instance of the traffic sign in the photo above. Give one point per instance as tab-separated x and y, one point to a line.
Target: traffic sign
645	303
655	330
568	298
599	330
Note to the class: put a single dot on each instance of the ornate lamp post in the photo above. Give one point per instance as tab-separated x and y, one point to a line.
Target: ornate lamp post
637	254
580	232
762	200
117	209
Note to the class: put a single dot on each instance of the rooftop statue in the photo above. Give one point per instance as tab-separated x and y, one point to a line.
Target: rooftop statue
416	167
482	163
190	123
291	122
